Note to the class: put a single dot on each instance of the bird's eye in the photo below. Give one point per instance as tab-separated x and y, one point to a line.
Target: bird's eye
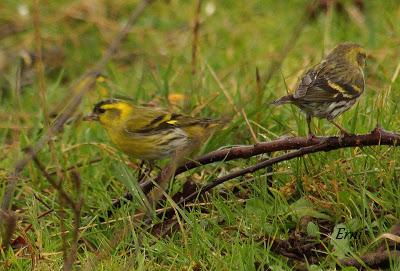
102	110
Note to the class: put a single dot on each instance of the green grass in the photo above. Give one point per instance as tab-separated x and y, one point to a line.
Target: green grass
339	187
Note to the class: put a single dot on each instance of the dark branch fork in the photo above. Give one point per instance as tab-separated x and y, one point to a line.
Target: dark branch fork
304	146
377	137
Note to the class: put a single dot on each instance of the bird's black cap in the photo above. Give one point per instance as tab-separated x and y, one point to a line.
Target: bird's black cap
97	107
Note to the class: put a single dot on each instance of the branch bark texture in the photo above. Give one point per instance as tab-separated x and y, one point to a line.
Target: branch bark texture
377	137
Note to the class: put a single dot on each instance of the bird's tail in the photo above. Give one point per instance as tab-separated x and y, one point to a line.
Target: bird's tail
211	123
283	100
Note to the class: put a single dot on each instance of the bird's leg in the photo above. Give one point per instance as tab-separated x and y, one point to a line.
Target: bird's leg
342	130
310	136
150	164
155	166
141	171
145	168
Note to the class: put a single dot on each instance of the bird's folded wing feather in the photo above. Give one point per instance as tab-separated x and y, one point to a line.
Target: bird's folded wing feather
152	121
148	120
307	81
155	121
325	87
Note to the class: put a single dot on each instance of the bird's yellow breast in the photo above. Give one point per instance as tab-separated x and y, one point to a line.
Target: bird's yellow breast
151	146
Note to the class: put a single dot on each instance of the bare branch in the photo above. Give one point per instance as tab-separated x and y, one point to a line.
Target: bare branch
377	137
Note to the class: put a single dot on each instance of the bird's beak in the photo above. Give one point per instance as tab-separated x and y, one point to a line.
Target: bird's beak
91	117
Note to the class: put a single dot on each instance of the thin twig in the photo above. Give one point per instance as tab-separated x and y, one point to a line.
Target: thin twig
196	27
54	183
76	206
29	227
230	100
39	66
253	135
78	165
76	222
259	95
42	201
62	215
224	91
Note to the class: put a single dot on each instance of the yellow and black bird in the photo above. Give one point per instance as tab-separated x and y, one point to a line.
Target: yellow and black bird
331	87
148	133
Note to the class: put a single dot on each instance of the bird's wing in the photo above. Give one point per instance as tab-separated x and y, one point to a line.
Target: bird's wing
152	121
328	86
306	83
